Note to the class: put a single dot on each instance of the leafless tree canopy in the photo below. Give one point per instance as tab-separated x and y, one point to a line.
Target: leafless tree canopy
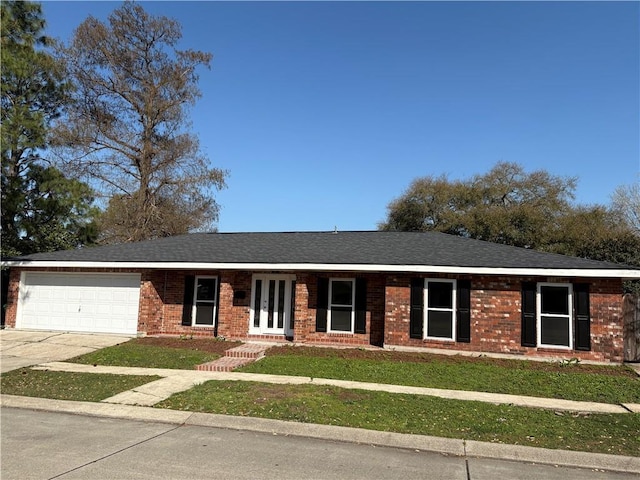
626	201
128	128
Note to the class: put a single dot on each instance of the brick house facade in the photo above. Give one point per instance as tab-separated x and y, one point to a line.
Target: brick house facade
467	309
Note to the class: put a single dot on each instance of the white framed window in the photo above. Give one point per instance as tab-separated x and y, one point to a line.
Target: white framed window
204	301
440	309
554	315
341	311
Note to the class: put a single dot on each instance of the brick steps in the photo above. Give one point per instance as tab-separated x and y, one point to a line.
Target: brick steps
247	350
234	358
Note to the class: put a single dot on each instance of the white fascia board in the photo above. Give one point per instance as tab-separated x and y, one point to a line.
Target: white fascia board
556	272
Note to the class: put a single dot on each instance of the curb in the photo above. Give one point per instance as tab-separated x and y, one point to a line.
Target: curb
447	446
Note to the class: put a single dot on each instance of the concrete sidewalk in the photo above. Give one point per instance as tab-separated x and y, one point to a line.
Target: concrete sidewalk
175	381
448	446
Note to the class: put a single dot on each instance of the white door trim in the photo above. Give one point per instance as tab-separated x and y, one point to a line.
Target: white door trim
274	306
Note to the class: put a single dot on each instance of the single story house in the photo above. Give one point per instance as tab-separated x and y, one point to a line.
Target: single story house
392	289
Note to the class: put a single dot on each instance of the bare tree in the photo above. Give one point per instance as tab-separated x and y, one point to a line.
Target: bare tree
128	129
626	201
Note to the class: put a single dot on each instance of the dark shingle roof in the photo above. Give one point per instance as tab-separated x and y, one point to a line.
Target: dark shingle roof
346	248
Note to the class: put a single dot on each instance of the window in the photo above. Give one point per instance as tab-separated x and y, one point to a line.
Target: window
440	309
440	314
341	304
204	301
555	315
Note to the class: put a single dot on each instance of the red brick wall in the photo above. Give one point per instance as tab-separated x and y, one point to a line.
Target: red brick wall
607	325
234	314
496	318
495	311
162	297
306	305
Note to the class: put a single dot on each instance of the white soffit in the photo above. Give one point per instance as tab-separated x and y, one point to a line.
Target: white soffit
591	273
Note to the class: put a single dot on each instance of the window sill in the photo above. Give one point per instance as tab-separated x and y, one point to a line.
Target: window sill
439	339
554	348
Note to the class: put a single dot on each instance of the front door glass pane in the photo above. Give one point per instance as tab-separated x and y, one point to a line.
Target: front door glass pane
272	297
257	304
281	287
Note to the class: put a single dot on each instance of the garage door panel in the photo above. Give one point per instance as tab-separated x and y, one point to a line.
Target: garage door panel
101	303
87	295
105	295
58	308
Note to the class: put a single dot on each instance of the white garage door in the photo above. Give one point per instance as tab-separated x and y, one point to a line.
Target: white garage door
99	303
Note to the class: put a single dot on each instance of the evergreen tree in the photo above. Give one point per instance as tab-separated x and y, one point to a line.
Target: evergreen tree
36	198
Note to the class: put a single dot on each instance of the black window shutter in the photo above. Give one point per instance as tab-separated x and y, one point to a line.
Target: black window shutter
361	306
416	318
582	339
321	304
187	303
215	320
463	314
529	314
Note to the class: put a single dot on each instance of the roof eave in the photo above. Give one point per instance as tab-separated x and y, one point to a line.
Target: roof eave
628	274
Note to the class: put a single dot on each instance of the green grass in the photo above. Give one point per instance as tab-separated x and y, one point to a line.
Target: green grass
90	387
513	377
615	434
134	354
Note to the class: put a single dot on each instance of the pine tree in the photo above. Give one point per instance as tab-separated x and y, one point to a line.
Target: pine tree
34	92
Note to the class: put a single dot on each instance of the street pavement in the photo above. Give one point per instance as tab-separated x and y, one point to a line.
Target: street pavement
48	445
46	348
331	433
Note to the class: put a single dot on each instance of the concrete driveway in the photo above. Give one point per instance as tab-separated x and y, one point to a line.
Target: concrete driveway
22	348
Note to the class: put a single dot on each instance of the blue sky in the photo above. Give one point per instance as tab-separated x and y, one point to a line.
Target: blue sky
323	112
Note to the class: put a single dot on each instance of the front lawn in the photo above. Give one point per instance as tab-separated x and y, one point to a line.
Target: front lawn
159	352
89	387
613	434
606	384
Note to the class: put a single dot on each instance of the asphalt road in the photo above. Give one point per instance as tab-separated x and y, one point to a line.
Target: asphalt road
48	445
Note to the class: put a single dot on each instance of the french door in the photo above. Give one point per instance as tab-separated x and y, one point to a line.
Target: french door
272	304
